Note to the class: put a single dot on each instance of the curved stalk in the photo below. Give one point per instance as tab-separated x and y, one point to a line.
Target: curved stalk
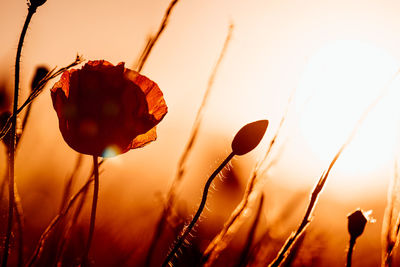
182	238
31	11
350	251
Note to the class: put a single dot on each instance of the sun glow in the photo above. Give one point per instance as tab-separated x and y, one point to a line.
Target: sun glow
339	84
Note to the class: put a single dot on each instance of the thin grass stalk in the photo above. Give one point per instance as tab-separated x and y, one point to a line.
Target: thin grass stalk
54	223
93	211
170	201
260	247
31	11
153	39
57	219
78	210
244	257
46	234
294	252
196	217
389	227
18	212
37	91
320	185
266	242
67	235
198	119
303	225
70	181
396	235
308	215
220	242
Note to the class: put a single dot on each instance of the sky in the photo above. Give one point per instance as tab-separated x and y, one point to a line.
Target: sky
334	57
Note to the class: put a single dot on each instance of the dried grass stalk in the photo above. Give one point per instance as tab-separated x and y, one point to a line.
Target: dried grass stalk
162	221
152	40
245	255
391	224
36	92
220	242
70	181
46	234
294	237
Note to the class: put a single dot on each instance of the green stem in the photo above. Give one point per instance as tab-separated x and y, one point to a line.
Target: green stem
182	238
93	212
31	11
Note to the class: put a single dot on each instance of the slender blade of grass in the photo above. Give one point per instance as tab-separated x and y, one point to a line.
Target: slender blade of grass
285	250
12	141
244	257
42	240
220	242
37	91
153	39
390	224
170	201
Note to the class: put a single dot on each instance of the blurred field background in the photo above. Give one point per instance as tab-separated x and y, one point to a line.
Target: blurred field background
338	56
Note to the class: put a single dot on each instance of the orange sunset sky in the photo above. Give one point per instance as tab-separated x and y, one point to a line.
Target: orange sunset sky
336	56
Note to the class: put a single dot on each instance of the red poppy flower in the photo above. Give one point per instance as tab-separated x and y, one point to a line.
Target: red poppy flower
106	110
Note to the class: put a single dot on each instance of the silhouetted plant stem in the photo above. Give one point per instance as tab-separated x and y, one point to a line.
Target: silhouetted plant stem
244	257
31	11
189	228
70	181
294	237
45	235
18	211
36	92
350	251
67	234
94	207
181	168
390	224
153	39
221	240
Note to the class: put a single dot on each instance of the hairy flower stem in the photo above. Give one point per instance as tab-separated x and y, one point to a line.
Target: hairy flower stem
93	212
31	11
196	217
350	251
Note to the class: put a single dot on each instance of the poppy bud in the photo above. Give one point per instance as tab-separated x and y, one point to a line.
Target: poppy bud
36	3
248	137
41	72
356	223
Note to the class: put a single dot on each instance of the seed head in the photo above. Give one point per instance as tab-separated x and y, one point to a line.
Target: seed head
41	72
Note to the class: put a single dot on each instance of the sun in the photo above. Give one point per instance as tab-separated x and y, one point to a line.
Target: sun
340	82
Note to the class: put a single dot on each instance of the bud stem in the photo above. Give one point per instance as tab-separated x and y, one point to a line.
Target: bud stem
181	238
350	251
